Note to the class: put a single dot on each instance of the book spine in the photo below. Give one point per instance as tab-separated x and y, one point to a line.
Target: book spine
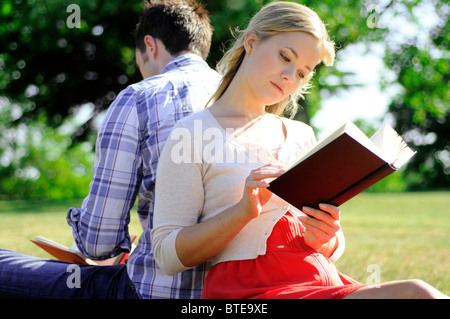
362	185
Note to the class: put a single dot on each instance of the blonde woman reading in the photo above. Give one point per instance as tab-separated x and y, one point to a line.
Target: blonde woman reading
212	204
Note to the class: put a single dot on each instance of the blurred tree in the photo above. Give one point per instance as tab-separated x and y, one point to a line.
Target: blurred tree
58	56
38	162
51	67
422	109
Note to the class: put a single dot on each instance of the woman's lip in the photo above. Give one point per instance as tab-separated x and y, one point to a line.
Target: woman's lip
277	87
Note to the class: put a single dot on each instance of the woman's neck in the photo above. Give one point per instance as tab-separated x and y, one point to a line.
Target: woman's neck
239	100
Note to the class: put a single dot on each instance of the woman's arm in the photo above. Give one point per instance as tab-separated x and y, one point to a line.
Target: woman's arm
179	242
198	243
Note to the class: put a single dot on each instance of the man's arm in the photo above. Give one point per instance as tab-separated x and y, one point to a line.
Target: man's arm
100	226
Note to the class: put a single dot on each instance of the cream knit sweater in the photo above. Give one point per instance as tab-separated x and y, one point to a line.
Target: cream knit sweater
202	171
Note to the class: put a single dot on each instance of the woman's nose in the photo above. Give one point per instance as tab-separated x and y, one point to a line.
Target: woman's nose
288	75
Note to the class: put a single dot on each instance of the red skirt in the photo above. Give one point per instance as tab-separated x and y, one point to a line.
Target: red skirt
290	269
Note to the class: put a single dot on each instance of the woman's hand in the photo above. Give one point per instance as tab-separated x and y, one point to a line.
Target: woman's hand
197	243
320	231
256	194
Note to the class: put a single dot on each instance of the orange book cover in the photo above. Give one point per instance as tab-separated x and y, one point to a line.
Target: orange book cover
63	253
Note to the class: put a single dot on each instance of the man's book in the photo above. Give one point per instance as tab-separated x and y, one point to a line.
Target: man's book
73	255
341	165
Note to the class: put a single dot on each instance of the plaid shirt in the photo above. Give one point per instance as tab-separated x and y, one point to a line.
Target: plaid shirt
129	142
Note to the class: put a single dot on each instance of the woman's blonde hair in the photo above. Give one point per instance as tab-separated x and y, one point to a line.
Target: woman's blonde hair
272	19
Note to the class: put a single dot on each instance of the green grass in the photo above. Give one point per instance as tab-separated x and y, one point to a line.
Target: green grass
20	221
406	235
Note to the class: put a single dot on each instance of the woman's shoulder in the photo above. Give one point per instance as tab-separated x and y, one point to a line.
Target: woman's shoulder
203	115
196	120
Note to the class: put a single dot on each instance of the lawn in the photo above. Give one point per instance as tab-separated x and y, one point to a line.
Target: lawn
20	221
400	235
388	236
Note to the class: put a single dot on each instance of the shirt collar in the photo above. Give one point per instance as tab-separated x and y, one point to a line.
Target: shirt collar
183	60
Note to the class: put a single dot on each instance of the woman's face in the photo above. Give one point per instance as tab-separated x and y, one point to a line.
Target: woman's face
275	67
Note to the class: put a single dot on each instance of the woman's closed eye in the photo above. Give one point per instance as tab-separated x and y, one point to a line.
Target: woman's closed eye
288	60
285	57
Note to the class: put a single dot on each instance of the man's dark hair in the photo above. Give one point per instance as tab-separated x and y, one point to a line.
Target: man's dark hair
179	24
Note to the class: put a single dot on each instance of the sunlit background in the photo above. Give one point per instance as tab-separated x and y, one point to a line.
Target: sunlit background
59	72
369	101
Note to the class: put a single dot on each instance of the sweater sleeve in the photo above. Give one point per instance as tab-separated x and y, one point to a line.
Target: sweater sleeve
179	196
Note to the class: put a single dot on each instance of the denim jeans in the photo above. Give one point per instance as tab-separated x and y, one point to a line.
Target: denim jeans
23	276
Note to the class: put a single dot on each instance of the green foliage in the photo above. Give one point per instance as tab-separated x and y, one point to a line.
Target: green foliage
422	109
48	62
39	162
49	68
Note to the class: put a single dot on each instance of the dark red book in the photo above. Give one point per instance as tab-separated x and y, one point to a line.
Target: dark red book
341	165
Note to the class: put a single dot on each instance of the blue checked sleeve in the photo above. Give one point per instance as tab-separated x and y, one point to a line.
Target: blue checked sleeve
100	226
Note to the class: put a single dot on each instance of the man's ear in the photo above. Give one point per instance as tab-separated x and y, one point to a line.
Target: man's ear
249	41
151	45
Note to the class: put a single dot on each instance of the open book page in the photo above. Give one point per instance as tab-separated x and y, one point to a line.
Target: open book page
49	242
392	145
